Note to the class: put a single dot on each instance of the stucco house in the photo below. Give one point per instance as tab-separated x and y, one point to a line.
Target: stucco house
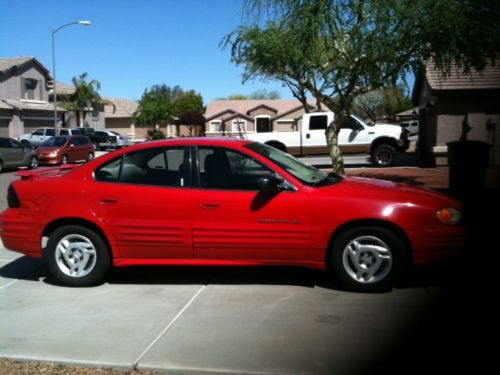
238	117
24	96
446	103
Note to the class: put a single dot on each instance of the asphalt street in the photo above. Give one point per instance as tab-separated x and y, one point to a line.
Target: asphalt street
192	320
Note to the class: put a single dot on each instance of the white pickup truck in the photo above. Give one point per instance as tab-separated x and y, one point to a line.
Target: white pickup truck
381	141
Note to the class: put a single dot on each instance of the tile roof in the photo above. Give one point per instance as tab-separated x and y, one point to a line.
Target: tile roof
489	78
281	106
124	108
8	63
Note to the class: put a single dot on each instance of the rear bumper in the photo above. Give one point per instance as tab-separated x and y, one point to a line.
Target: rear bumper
21	233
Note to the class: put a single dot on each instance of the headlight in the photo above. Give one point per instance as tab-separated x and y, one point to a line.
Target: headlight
449	216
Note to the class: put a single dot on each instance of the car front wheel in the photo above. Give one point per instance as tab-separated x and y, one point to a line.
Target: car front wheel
77	256
367	259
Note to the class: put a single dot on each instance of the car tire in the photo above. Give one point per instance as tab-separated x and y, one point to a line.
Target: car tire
90	157
33	163
64	159
383	155
77	256
367	259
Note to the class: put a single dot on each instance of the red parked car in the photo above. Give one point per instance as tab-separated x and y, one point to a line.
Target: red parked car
65	149
219	202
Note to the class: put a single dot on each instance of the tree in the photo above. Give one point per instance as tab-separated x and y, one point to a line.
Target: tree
155	107
395	101
370	104
85	97
189	101
337	50
263	94
195	120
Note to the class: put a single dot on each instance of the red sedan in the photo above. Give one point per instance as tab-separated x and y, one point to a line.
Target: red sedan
219	202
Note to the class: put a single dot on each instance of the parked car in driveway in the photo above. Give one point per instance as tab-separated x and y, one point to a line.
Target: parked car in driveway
40	135
115	139
209	201
65	149
411	126
13	155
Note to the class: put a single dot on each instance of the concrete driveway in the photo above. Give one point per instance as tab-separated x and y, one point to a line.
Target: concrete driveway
193	320
247	320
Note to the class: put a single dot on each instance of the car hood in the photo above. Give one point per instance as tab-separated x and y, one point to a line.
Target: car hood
46	149
388	190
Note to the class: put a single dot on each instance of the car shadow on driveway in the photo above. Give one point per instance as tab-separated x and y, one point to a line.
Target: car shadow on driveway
24	268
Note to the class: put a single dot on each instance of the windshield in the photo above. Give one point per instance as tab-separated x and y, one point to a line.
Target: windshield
54	142
305	173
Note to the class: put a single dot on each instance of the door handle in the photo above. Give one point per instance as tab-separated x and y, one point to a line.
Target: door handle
109	199
210	205
308	136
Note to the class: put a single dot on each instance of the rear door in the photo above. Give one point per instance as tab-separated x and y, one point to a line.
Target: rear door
145	198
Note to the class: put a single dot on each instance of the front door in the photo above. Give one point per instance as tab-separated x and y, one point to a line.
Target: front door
232	220
144	199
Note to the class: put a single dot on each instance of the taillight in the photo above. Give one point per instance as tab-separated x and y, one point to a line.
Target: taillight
12	198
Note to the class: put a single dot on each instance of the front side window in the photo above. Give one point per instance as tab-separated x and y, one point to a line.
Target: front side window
156	167
226	169
50	132
29	88
38	132
305	173
14	144
63	132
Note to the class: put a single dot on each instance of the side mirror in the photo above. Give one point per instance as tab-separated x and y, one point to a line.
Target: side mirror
270	184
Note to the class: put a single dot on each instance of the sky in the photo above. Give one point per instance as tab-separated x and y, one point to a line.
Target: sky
132	44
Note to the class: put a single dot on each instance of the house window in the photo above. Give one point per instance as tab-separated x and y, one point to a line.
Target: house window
239	126
216	126
29	87
263	124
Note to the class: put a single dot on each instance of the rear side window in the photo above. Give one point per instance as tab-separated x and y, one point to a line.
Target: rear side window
157	167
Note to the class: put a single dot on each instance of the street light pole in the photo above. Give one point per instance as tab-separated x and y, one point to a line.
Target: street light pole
54	31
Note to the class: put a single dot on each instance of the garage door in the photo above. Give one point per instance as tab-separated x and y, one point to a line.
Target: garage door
4	128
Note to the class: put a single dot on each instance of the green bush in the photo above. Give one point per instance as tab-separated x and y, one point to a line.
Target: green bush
156	134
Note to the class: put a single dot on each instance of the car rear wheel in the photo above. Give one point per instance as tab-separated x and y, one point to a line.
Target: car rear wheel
383	155
77	256
33	162
25	143
64	159
367	258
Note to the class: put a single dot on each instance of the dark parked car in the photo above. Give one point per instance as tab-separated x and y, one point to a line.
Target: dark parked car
65	149
13	155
